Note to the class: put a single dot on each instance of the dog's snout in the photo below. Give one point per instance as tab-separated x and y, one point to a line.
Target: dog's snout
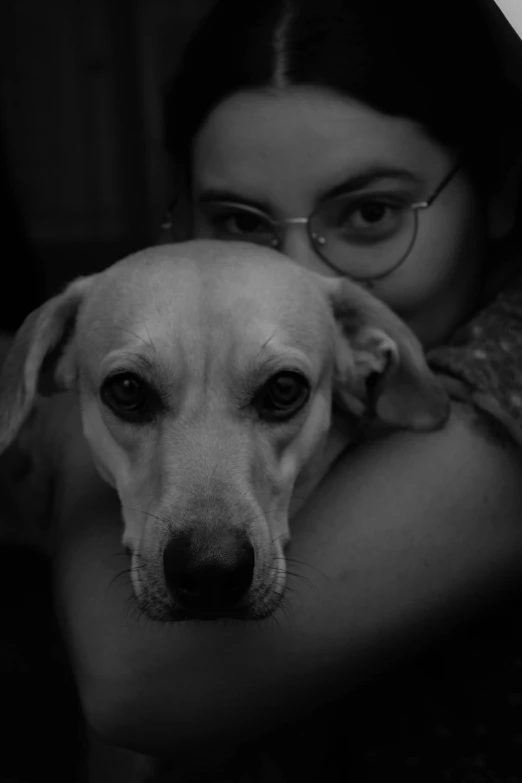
212	577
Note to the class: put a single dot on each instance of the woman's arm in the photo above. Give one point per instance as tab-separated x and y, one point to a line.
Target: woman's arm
405	535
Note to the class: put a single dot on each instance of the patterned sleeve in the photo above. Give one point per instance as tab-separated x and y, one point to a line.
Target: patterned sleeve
485	358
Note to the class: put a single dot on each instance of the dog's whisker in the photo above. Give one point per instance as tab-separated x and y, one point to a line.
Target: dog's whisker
286	610
295	561
135	612
300	577
119	576
292	588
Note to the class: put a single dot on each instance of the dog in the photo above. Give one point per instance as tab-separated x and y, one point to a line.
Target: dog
217	382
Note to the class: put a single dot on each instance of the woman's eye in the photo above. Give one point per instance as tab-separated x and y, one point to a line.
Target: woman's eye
243	224
373	220
129	397
283	395
371	213
229	223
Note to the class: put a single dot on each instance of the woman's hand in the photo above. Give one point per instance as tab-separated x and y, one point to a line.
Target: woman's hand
404	536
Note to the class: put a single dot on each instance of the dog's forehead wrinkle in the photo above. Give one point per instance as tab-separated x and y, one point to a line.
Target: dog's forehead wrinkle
110	344
194	312
282	320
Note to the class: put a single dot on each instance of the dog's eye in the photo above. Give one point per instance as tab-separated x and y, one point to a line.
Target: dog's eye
129	397
283	395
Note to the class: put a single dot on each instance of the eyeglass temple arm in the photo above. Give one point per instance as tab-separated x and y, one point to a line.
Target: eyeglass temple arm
447	179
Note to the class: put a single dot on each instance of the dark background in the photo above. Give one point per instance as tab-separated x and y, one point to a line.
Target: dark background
83	181
83	175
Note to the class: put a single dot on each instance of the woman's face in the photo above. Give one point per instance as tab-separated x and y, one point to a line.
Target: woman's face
284	151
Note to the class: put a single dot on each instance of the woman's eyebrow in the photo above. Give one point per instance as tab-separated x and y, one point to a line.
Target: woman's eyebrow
210	195
370	177
351	184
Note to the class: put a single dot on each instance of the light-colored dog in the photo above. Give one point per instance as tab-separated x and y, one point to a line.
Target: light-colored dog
207	373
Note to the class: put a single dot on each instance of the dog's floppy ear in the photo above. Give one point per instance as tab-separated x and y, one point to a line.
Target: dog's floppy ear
37	359
381	364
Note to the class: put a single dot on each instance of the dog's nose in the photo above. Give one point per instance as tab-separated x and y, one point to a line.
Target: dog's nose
209	578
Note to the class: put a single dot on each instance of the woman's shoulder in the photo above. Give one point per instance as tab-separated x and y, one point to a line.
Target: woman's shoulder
485	358
6	340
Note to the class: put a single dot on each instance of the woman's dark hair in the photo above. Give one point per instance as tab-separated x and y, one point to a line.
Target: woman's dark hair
434	63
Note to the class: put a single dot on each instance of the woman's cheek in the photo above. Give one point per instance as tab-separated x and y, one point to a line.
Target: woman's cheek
440	280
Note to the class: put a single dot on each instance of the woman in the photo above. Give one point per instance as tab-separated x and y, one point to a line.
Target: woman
363	116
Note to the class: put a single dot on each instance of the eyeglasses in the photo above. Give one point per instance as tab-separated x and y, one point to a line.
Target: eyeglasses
363	236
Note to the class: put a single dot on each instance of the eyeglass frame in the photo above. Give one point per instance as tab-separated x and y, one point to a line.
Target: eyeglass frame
317	241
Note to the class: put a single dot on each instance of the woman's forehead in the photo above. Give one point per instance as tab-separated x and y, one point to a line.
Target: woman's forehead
305	138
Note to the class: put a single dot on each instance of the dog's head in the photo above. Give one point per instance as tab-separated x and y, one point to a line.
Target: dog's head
206	373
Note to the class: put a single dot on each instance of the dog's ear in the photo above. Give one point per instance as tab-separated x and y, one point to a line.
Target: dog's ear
39	359
381	367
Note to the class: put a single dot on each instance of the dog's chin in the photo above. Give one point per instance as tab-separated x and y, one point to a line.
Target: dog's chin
260	604
165	611
245	615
